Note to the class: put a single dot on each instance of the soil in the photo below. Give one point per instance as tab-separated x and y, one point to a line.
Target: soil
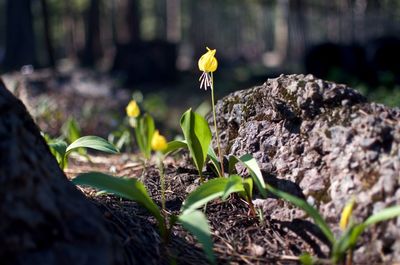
239	238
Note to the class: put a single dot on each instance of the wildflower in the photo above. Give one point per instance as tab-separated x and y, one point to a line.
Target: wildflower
158	142
132	110
346	214
207	64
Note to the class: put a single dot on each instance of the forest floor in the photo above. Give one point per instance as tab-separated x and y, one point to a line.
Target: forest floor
238	237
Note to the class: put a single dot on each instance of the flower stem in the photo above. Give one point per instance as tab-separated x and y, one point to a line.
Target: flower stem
349	258
160	163
221	160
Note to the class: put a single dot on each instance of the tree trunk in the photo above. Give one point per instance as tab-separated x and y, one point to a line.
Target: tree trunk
44	218
47	34
93	50
20	41
133	21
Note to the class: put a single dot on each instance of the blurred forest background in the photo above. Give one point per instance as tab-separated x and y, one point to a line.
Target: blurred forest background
155	44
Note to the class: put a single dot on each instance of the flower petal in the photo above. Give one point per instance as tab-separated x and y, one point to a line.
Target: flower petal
207	62
346	214
132	110
158	142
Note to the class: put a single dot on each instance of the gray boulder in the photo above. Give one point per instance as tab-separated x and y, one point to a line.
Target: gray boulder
324	142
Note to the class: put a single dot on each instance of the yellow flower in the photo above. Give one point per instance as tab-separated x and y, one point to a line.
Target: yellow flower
132	110
207	62
158	142
346	214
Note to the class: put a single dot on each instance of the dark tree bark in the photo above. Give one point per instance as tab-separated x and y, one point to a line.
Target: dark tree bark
297	29
93	49
44	218
47	34
133	21
69	25
20	40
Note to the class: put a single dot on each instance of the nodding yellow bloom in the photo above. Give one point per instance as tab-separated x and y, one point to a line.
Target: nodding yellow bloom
132	110
158	142
346	214
207	64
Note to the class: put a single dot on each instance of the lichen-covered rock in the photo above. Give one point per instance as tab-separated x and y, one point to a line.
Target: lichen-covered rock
324	140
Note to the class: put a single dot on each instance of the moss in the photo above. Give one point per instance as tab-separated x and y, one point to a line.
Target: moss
271	152
333	116
228	103
370	179
322	196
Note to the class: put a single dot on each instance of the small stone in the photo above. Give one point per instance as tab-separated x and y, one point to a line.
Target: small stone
311	200
367	143
256	250
191	188
113	169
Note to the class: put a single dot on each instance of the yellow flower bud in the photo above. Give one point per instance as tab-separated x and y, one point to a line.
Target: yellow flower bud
132	110
158	142
207	62
346	214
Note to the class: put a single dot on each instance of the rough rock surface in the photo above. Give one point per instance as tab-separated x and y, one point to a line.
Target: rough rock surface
324	141
44	218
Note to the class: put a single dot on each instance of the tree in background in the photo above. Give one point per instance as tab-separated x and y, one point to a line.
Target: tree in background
20	37
93	48
47	35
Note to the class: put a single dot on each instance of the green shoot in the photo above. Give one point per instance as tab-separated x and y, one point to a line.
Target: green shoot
217	188
196	223
345	244
61	150
251	164
71	130
198	138
143	133
193	221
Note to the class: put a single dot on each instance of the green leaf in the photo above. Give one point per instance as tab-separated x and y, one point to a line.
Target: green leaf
347	241
150	127
175	145
232	161
198	137
205	193
71	130
59	147
311	211
196	223
383	215
351	235
214	161
130	189
234	184
209	191
306	259
254	170
93	142
144	133
140	137
248	187
124	139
